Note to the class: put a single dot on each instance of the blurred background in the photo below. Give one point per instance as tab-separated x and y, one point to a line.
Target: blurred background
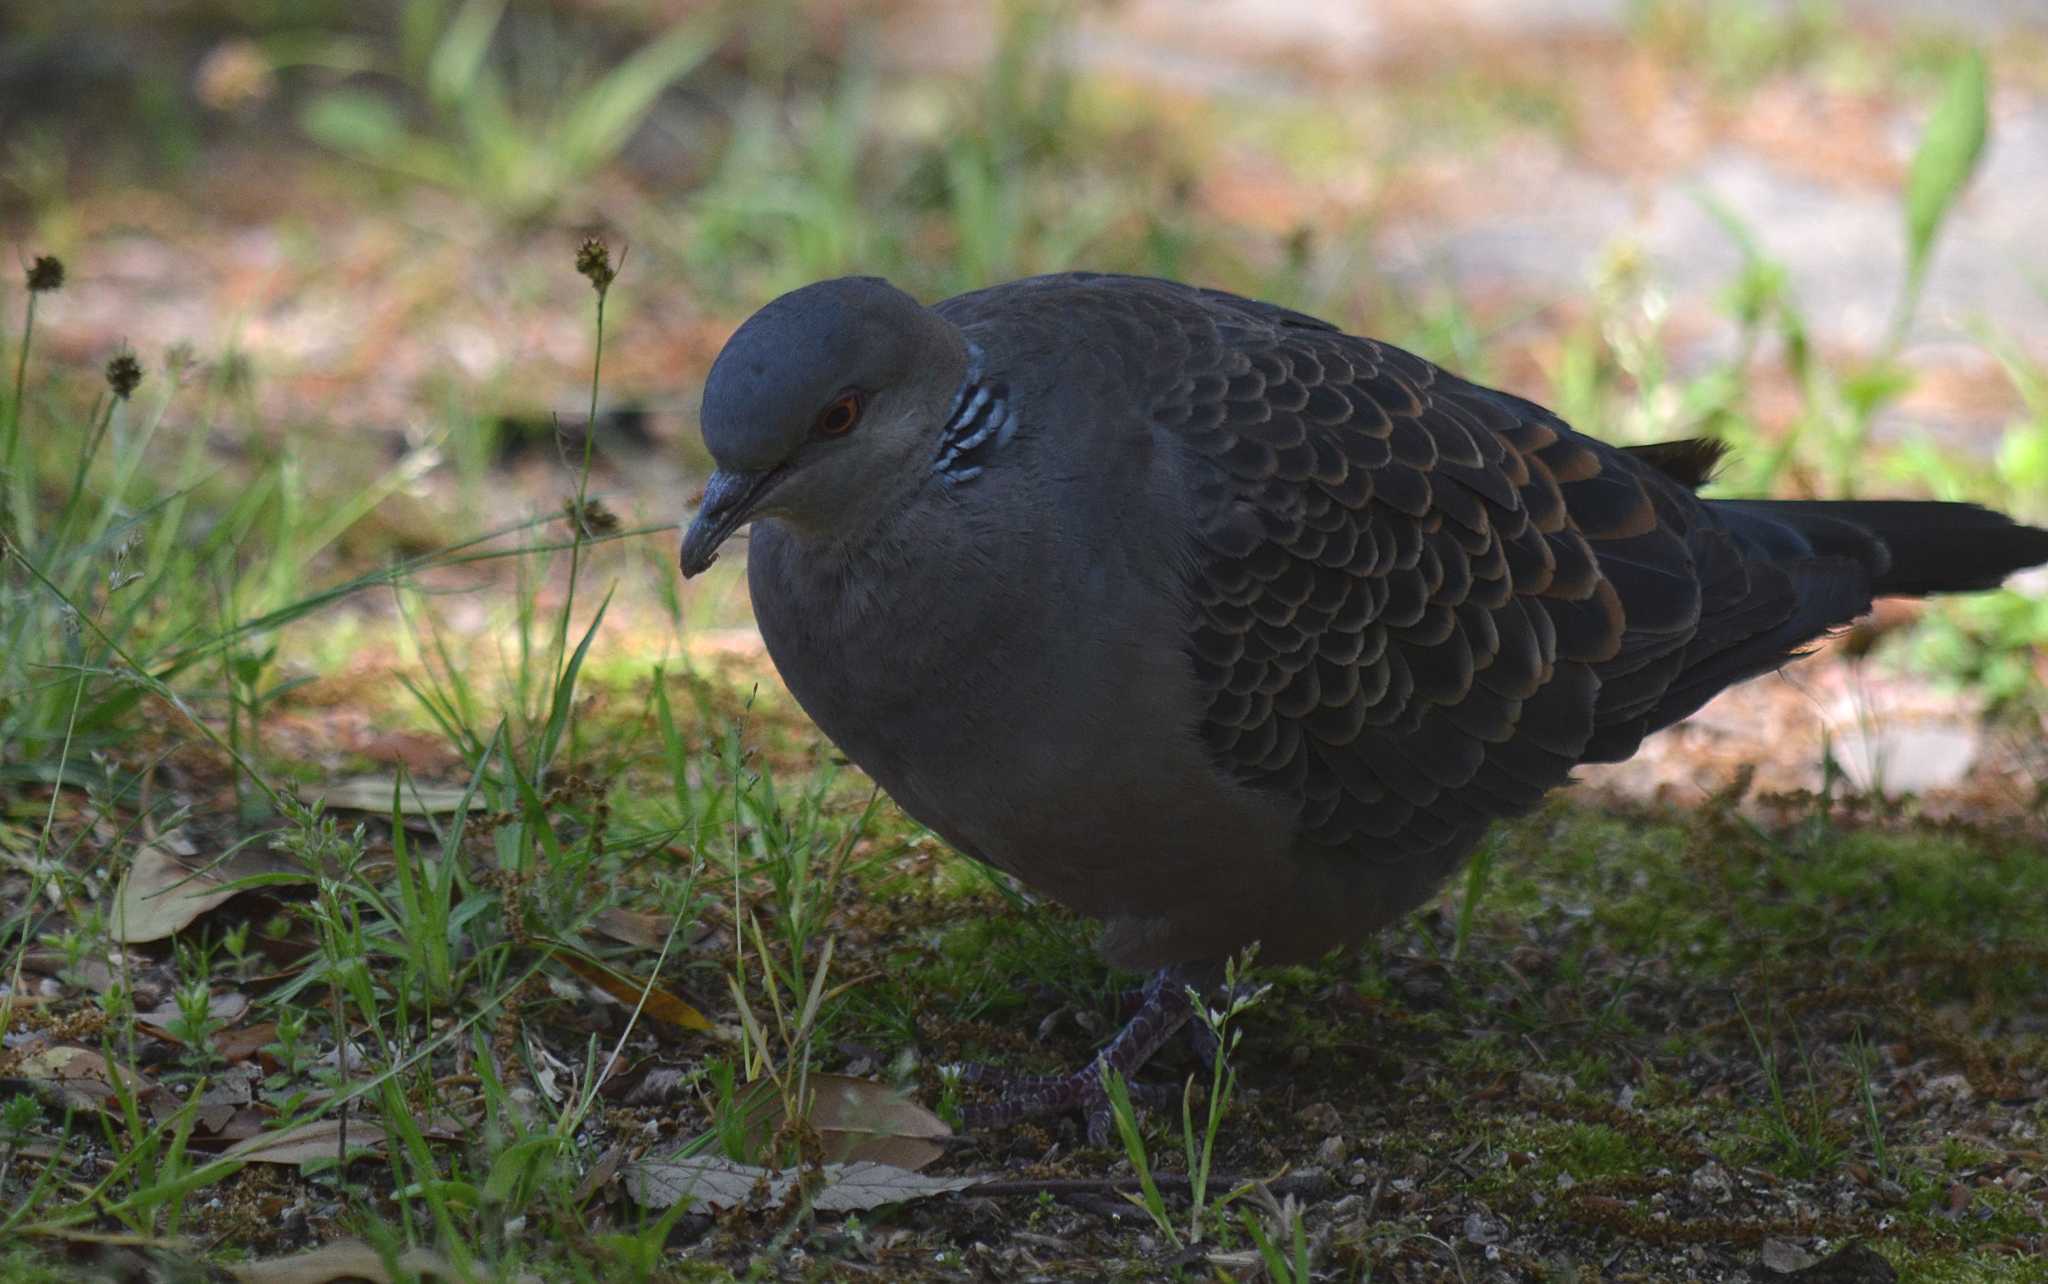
339	237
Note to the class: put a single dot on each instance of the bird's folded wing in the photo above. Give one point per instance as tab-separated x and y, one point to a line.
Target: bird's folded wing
1422	602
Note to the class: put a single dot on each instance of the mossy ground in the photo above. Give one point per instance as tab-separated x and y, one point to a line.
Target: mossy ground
1663	1040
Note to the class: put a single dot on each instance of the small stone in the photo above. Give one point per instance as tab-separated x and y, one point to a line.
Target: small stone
1333	1152
1782	1257
1956	1087
1484	1228
1710	1181
1320	1117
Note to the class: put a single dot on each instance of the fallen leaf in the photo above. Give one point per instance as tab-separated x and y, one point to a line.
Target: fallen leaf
707	1181
717	1183
225	1098
860	1120
852	1188
350	1260
226	1007
244	1043
373	794
78	1077
162	891
550	1073
661	1004
314	1140
600	1174
646	930
243	1123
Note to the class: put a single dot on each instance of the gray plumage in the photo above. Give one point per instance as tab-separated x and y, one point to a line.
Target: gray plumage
1205	618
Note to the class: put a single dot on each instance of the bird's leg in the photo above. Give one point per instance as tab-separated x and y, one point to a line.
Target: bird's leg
1201	1039
1163	1010
1012	1090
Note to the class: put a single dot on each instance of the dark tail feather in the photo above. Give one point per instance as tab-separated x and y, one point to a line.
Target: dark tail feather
1911	547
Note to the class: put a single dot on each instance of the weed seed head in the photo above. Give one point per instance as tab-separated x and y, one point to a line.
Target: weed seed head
45	274
594	263
124	374
592	517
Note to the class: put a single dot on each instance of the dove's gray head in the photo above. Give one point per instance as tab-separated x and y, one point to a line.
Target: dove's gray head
828	398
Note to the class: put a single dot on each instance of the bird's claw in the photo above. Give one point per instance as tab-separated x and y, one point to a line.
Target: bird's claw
1032	1096
1162	1009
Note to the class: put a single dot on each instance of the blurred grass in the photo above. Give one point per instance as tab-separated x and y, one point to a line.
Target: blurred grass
164	604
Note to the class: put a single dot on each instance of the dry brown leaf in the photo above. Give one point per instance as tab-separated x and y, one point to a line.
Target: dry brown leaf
373	794
226	1007
242	1044
228	1096
601	1174
243	1123
349	1260
648	931
162	891
860	1120
717	1183
307	1142
661	1005
79	1077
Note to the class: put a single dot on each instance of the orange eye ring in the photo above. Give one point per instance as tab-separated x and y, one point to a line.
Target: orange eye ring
839	417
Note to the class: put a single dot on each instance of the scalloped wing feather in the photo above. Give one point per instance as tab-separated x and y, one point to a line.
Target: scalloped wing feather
1421	603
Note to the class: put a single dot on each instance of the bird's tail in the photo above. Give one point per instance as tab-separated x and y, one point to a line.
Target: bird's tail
1910	547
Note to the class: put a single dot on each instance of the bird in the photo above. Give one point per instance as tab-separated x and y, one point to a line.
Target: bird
1223	626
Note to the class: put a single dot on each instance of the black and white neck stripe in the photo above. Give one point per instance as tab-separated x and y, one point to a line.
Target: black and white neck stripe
978	425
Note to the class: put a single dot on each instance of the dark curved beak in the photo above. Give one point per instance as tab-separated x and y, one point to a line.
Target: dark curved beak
730	498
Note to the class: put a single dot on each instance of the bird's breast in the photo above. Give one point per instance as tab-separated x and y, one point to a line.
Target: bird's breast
1033	705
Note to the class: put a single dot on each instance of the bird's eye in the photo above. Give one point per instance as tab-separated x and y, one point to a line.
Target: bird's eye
838	418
